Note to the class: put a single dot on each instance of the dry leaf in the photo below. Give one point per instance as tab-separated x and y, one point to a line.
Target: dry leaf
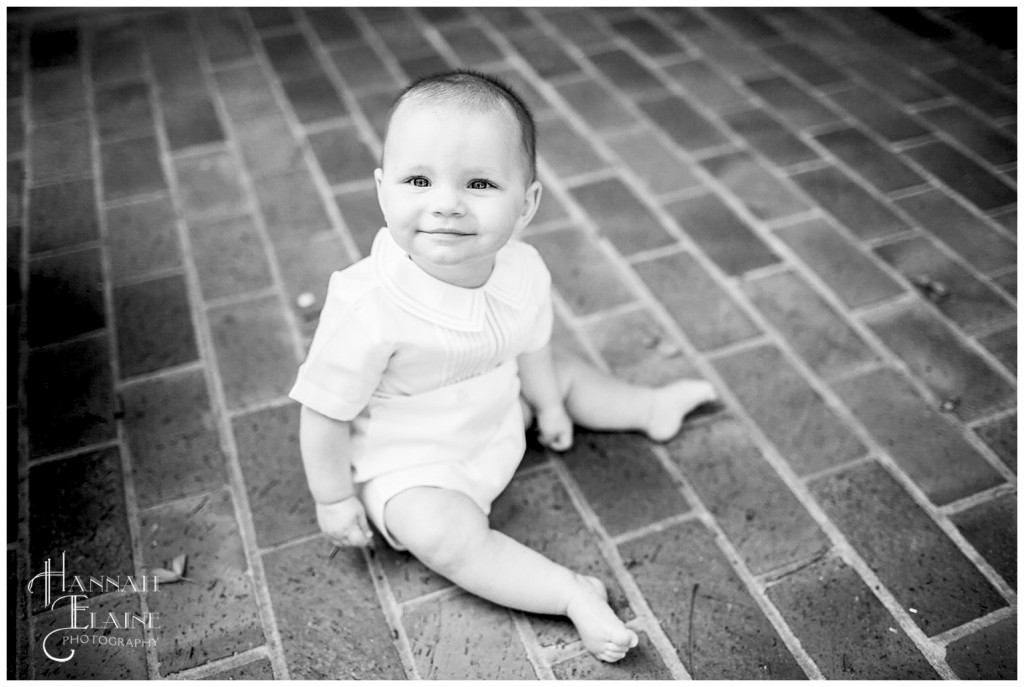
175	574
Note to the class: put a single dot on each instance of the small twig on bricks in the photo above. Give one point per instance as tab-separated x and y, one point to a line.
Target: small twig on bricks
693	603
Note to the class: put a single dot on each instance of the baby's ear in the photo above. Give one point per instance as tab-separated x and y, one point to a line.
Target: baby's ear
532	202
378	177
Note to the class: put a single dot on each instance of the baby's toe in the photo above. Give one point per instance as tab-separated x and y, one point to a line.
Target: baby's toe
624	640
611	656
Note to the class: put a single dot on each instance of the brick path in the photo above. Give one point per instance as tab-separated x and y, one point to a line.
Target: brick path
815	210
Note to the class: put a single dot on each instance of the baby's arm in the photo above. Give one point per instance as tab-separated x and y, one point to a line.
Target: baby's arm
325	444
542	391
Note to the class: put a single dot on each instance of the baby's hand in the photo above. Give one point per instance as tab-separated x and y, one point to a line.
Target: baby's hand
344	522
555	427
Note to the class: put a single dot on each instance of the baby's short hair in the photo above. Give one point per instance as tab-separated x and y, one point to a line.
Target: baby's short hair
475	90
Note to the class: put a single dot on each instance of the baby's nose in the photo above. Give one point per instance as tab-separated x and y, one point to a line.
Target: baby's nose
446	201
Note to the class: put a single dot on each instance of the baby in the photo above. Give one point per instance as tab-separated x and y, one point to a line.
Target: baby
432	357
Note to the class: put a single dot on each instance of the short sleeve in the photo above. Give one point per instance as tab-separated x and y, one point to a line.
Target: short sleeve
346	360
540	278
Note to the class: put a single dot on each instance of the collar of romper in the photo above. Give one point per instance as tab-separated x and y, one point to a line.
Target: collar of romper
442	303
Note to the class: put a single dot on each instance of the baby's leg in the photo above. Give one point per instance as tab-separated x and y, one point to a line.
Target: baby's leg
449	534
597	400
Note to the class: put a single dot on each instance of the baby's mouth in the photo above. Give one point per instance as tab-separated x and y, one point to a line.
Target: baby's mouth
444	231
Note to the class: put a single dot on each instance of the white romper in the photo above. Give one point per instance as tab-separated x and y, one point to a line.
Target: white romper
426	372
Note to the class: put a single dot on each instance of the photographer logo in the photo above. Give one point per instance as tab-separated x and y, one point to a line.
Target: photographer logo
83	623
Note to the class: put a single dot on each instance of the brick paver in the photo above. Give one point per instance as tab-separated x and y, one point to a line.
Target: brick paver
812	208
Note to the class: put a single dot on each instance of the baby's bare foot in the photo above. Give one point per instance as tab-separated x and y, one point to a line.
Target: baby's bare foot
671	404
602	632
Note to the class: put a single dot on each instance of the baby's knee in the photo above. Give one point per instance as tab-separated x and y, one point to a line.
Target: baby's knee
438	526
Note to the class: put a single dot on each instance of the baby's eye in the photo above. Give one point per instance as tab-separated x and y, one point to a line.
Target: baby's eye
481	185
418	182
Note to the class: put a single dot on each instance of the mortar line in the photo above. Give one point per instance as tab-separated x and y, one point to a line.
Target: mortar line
361	124
589	176
372	38
474	20
962	35
680	195
328	123
207	350
210	669
866	335
841	310
673	87
578	330
923	107
389	609
959	632
217	215
622	171
892	359
135	198
299	540
701	258
833	470
540	663
654	527
949	254
997	326
950	61
58	119
958	146
785	472
991	417
433	596
870	245
835	536
855	371
609	552
164	373
848	121
600	316
248	180
132	508
557	654
896	147
77	338
193	501
954	508
273	403
834	403
393	612
433	34
161	273
24	625
741	346
73	452
358	186
775	576
735	561
1002	368
653	254
620	131
909	296
196	151
540	467
550	226
243	298
64	251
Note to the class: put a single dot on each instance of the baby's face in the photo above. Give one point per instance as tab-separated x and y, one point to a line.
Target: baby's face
453	188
